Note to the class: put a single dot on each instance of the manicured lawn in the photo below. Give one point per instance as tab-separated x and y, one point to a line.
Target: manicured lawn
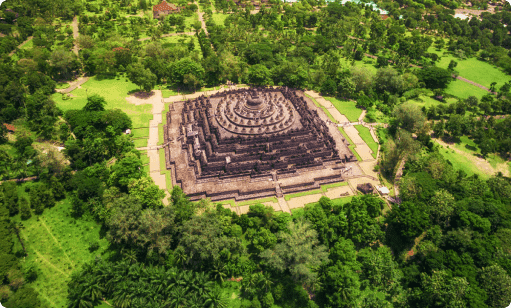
325	187
140	142
64	85
57	244
256	201
230	202
348	108
301	194
140	132
365	134
115	92
477	71
463	89
144	157
168	93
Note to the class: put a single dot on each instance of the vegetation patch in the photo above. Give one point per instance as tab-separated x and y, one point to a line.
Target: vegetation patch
347	108
365	134
57	244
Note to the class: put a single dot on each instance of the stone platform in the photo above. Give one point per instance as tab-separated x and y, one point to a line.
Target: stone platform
253	143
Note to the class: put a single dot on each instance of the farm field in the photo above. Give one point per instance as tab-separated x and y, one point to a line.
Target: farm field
58	244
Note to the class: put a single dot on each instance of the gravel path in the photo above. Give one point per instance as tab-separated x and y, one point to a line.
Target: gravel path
76	34
168	35
73	85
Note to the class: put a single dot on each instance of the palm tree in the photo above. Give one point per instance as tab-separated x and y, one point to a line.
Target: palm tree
178	297
215	300
218	271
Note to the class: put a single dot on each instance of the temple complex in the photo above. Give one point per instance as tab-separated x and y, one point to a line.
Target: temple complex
253	143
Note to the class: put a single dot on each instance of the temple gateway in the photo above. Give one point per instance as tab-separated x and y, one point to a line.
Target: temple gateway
253	143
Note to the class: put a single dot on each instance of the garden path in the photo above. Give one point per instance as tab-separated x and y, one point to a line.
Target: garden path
76	34
73	85
201	19
20	45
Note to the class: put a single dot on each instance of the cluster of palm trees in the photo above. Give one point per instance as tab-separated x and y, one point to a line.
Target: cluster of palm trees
126	285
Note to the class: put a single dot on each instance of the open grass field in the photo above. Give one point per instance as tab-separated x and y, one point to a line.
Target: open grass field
219	18
302	193
460	162
348	108
115	92
365	134
463	89
142	132
424	101
57	244
477	71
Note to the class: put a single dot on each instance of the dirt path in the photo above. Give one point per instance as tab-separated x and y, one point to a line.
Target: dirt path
73	85
201	19
20	45
56	241
76	34
168	35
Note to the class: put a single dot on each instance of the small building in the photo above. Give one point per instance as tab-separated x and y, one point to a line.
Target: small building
383	190
10	128
164	9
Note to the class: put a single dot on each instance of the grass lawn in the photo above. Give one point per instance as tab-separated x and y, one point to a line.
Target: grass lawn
256	201
461	162
352	145
229	202
144	158
60	85
365	134
28	45
140	132
166	93
115	92
463	89
477	71
302	193
219	18
325	187
348	108
424	101
140	142
231	292
57	244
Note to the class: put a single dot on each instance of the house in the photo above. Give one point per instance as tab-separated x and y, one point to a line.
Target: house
10	128
164	9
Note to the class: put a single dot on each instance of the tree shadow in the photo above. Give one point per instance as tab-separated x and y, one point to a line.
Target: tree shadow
141	94
451	140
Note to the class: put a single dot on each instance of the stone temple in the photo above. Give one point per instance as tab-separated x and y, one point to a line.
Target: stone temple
253	143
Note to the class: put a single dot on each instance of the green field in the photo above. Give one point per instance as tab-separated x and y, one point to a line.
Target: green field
302	193
463	89
424	101
460	162
256	201
365	134
142	132
57	244
115	92
348	108
219	18
477	71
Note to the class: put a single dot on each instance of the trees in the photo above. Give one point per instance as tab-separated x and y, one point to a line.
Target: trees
434	77
443	291
141	76
298	252
388	79
259	75
149	194
24	208
409	117
127	168
186	72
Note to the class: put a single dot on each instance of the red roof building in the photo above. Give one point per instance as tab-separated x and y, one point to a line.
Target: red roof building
163	9
10	127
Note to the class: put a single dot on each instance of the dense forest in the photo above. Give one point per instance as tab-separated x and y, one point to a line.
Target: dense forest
446	243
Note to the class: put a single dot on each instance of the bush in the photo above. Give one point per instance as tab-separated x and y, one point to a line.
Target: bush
93	246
